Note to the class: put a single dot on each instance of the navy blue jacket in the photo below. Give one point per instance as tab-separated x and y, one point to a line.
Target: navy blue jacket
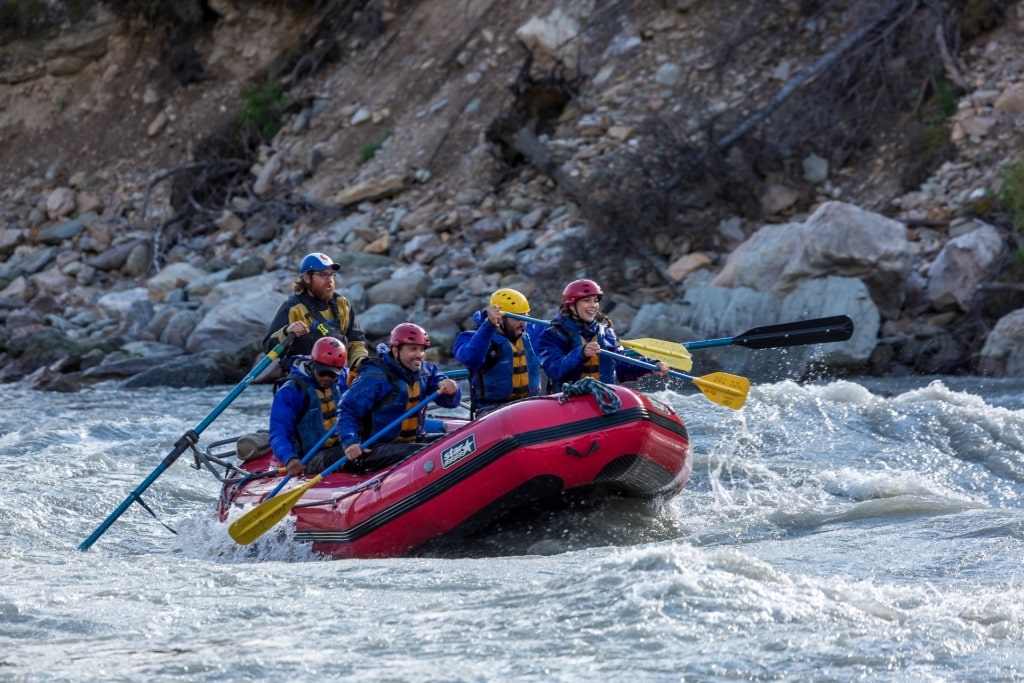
296	422
489	350
373	384
560	349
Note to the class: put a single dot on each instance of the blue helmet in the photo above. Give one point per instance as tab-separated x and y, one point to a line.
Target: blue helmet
317	261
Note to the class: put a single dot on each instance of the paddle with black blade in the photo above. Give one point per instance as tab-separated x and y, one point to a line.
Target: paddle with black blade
818	331
721	387
187	440
261	518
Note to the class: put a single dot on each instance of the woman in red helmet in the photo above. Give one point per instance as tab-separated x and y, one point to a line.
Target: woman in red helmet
570	349
385	388
305	408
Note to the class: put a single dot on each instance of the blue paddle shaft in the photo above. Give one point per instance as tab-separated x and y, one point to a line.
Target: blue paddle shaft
373	439
186	440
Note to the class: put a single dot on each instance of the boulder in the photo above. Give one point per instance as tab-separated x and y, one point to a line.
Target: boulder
1003	352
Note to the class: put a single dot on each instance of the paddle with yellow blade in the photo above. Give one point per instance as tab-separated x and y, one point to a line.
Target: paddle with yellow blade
187	440
721	387
261	518
673	354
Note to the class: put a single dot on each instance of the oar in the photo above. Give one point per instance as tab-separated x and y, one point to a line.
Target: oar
261	518
312	451
453	375
818	331
721	387
187	439
674	355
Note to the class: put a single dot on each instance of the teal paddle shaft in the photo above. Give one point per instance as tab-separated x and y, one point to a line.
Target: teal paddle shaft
187	440
373	439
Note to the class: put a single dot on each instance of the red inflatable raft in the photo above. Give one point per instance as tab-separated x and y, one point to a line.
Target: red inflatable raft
526	456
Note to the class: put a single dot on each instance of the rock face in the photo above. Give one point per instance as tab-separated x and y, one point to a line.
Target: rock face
837	239
389	145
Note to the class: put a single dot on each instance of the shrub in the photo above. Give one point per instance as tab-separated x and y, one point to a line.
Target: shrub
1011	195
370	151
263	107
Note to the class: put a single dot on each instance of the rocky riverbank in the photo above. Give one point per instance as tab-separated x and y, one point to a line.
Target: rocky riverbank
94	288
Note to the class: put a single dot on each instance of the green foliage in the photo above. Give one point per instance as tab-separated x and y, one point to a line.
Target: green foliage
1011	200
263	107
1011	195
942	104
369	151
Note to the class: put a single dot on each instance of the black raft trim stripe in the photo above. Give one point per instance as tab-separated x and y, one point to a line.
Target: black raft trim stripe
483	460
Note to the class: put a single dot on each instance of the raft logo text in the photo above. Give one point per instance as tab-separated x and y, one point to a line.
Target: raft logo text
450	456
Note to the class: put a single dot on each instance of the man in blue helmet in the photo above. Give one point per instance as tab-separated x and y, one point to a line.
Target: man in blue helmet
315	311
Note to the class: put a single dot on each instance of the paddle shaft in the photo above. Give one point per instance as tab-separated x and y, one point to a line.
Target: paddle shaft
261	518
384	430
312	451
187	439
526	318
652	366
722	388
818	331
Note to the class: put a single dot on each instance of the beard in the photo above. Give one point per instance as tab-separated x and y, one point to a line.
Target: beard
511	333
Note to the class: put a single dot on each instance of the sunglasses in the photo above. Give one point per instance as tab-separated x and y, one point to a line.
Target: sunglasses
326	373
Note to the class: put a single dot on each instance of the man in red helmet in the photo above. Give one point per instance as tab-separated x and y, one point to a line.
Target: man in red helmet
314	311
305	408
570	349
386	387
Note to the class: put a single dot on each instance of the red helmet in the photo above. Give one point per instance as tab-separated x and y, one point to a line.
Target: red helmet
330	352
408	333
577	289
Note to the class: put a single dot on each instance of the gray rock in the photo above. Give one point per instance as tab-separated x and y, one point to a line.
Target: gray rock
184	371
963	263
378	320
403	291
1003	352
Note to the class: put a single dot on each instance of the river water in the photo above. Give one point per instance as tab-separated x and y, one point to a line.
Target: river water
838	531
